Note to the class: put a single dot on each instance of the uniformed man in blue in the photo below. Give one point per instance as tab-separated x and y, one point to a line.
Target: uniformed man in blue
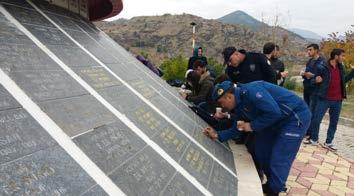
278	118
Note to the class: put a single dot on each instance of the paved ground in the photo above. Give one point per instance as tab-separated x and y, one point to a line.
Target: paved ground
317	171
344	139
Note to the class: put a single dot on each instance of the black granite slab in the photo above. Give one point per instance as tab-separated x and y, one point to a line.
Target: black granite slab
110	145
180	186
16	57
47	85
97	77
27	16
20	135
46	172
6	100
145	174
76	115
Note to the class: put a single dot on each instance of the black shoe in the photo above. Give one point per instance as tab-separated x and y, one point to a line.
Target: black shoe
267	191
265	188
272	194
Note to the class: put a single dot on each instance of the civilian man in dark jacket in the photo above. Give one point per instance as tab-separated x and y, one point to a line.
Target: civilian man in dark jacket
309	82
330	93
202	89
311	70
245	67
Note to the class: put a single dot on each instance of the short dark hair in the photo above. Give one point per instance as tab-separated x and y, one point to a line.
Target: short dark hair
336	51
277	47
268	48
227	52
199	63
315	46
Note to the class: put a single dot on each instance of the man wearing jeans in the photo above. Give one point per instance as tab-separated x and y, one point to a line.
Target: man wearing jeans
330	93
311	71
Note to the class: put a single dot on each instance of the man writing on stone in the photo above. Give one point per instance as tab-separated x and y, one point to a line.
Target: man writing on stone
279	119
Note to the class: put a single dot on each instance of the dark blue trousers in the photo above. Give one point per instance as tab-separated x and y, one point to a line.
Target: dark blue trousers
312	107
322	106
276	148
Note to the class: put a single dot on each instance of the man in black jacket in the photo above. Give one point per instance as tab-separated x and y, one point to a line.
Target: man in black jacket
279	67
245	67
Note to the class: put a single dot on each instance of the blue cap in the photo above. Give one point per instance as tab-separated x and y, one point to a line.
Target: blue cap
220	89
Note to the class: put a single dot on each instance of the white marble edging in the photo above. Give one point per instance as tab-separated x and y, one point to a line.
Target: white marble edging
248	179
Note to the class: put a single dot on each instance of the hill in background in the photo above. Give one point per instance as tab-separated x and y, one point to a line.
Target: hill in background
170	35
242	18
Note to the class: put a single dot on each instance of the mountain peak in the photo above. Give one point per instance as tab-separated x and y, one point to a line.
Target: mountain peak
240	17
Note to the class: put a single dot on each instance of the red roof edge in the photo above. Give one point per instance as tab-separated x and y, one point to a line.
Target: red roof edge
103	9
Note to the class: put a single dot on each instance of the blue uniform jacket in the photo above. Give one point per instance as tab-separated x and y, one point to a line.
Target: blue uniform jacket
263	105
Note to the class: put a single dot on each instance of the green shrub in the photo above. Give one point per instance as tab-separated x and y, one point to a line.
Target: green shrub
174	68
219	68
290	84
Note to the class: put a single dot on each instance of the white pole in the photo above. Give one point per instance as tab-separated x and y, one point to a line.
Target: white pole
193	37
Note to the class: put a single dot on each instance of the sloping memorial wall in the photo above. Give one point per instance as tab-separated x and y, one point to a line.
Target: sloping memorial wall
79	115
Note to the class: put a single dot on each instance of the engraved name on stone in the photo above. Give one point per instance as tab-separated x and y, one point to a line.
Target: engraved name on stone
147	118
146	91
99	77
142	171
168	136
30	175
197	161
111	142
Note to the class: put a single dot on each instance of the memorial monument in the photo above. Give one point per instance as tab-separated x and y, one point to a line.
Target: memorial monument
79	115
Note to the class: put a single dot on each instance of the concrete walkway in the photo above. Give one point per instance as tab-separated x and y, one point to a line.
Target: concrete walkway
318	171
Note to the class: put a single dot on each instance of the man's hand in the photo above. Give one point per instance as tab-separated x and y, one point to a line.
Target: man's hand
211	133
220	115
352	66
183	94
319	79
302	73
284	74
244	126
309	75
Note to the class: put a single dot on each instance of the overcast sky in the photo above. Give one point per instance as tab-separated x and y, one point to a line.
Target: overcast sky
319	16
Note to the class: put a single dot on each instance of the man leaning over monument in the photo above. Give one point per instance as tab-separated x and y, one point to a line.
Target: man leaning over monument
278	118
245	67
